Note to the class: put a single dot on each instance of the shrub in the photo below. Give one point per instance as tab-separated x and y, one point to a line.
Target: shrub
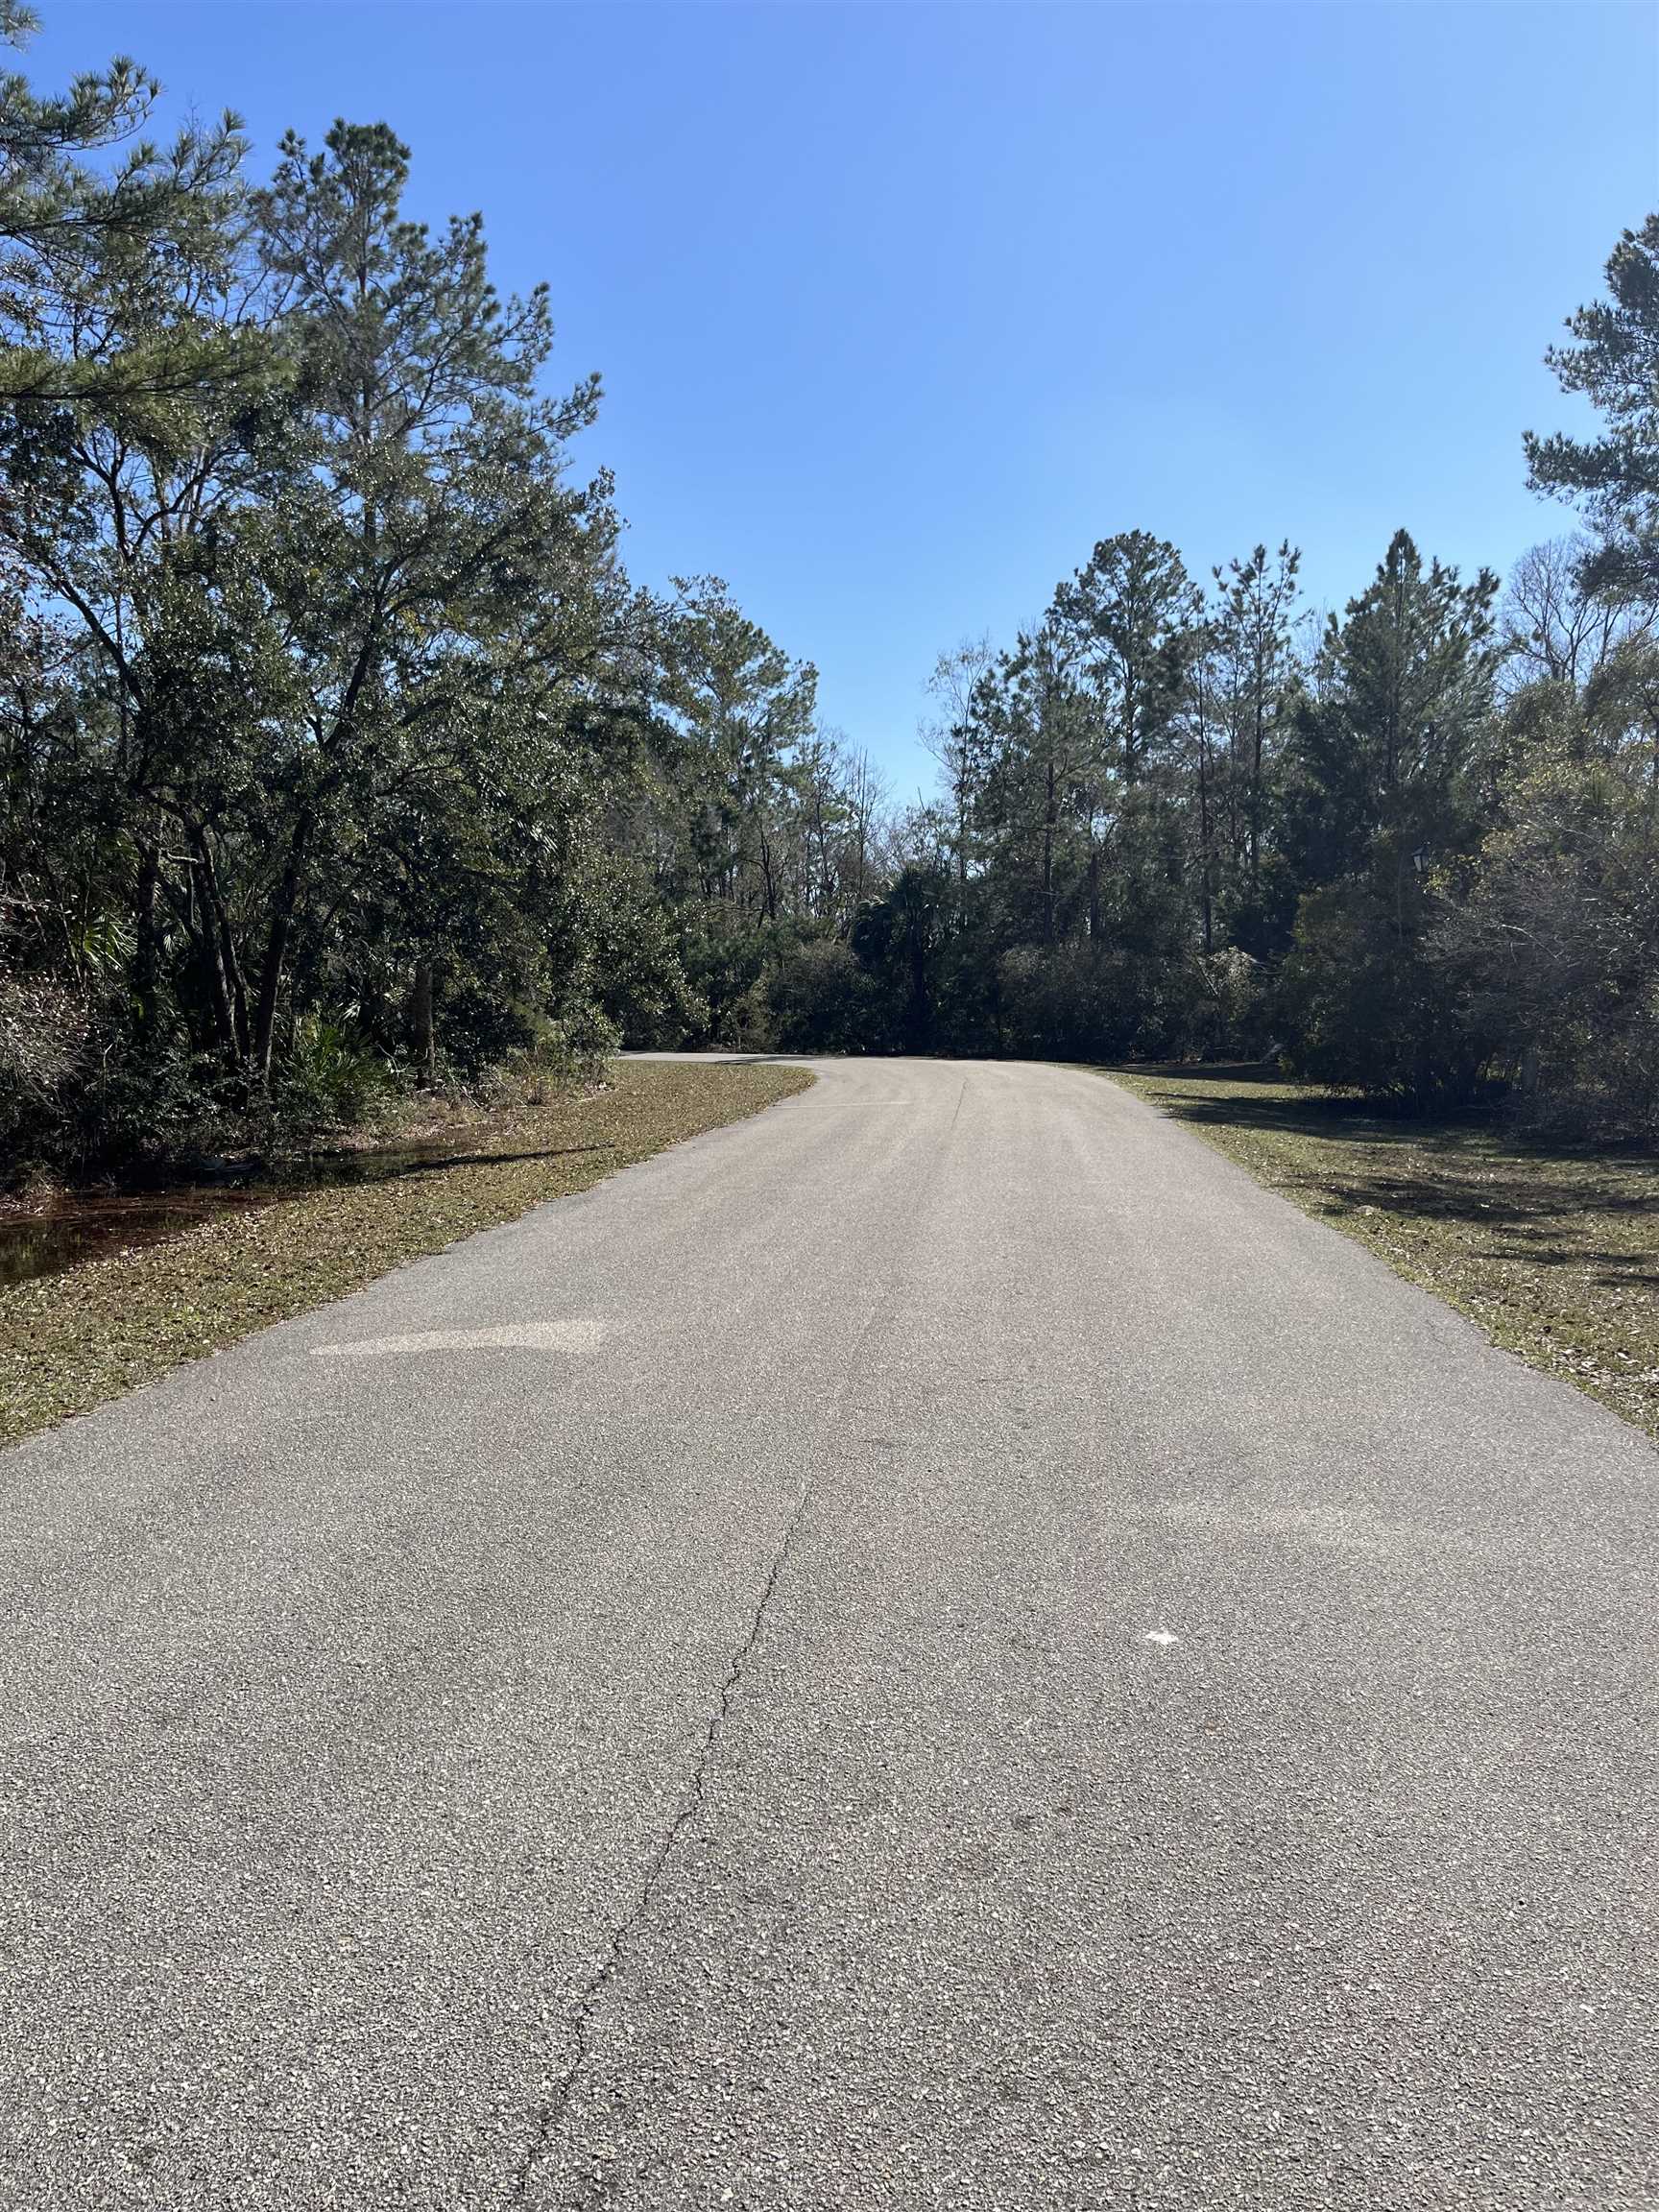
1372	1010
329	1080
566	1052
822	1000
1233	1009
1060	1002
47	1053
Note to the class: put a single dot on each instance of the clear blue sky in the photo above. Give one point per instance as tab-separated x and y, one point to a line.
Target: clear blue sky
899	308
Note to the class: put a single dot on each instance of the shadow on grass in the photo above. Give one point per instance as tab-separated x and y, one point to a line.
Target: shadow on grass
1463	1169
1263	1072
339	1169
1542	1227
1515	1191
1273	1103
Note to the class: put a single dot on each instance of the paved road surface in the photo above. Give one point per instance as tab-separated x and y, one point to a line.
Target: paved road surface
935	1648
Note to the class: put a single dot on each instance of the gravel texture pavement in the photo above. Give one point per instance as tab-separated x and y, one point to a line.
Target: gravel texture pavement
935	1648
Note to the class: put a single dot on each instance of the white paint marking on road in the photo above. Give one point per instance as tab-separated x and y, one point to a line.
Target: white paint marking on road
580	1335
1161	1636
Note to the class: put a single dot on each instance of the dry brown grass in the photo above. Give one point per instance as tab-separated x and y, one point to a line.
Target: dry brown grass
68	1341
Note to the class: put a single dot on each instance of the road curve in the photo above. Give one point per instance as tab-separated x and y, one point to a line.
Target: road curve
938	1647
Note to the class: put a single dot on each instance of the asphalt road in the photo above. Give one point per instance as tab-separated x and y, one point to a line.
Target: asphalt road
937	1647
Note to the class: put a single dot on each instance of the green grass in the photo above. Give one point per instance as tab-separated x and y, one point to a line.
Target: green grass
1554	1252
68	1341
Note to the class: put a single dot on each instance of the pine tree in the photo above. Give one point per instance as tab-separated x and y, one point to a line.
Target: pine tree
1615	363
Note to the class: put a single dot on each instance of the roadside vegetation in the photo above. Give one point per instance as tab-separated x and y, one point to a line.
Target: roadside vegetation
343	768
1552	1250
112	1323
340	757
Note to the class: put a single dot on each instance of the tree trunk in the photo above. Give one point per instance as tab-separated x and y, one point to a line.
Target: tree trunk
276	947
224	1018
421	1034
147	957
1206	857
1255	804
229	992
1050	813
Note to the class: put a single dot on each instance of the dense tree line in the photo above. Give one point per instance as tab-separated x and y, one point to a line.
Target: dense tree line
339	754
337	751
1410	850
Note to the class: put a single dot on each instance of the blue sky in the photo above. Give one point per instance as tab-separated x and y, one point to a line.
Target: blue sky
899	308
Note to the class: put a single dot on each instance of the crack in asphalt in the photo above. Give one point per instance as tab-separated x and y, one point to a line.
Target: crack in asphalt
557	2104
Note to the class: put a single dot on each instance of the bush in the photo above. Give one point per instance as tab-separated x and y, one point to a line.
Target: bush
329	1080
47	1055
1061	1002
1372	1010
723	963
821	1000
479	1026
1600	1083
1234	1012
1554	949
84	1088
746	1024
568	1052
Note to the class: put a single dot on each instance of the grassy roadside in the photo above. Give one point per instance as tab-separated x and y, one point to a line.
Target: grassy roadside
68	1341
1554	1253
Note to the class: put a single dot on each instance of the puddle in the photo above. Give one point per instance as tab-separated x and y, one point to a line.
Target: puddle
92	1225
73	1230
